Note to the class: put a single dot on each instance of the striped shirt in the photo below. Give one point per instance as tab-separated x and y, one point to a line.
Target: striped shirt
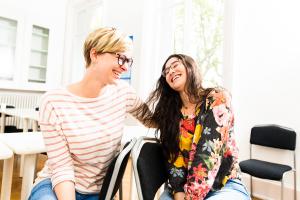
82	135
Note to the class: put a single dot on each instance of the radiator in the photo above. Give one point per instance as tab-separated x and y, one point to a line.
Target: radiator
19	101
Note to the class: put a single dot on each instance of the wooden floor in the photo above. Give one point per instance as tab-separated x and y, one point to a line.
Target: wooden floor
17	181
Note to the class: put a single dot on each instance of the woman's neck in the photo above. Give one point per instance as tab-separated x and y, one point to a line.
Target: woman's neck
188	108
186	103
88	87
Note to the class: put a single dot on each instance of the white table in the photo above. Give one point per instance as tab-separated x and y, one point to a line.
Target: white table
30	145
7	155
24	113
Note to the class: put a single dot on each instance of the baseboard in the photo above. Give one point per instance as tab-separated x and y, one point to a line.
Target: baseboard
269	190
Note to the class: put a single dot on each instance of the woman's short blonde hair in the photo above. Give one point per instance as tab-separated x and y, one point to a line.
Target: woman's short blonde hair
106	40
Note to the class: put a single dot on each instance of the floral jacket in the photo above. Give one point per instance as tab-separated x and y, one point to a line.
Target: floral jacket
208	154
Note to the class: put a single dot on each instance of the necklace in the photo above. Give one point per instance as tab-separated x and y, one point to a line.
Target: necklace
188	112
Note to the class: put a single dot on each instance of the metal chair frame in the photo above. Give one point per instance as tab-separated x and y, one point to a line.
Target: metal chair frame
282	182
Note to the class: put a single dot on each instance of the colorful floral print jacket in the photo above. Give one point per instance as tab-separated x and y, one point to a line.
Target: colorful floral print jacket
208	153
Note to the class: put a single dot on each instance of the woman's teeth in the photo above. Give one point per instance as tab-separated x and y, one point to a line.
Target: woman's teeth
175	77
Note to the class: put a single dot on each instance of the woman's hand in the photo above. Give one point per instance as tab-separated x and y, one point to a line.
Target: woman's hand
179	196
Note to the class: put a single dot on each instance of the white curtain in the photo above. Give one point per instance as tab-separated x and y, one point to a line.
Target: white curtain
156	43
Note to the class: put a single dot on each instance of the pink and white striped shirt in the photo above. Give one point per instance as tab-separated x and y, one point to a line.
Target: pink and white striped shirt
82	135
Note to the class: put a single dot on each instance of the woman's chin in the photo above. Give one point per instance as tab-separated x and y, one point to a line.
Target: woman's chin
177	87
114	80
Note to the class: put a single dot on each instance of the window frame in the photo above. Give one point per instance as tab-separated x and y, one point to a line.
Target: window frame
228	23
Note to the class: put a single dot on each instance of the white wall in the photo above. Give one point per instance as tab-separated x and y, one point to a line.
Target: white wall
266	85
127	16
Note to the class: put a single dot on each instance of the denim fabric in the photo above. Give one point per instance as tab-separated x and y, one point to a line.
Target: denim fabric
43	191
233	190
166	195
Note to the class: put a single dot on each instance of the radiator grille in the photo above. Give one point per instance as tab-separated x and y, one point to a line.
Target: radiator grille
19	101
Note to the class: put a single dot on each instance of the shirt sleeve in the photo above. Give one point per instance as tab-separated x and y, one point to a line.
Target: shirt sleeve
177	173
136	106
207	153
59	158
133	101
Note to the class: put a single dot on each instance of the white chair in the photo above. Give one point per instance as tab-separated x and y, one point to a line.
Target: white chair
30	145
7	155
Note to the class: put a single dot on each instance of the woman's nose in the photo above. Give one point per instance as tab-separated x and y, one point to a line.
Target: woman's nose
171	70
124	67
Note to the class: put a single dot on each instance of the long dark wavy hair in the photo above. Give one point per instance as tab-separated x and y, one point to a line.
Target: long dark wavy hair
165	105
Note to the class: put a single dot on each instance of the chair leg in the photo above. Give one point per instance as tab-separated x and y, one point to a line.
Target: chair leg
121	192
282	188
251	189
295	186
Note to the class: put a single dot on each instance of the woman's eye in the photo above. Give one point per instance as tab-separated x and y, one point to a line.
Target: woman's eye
123	59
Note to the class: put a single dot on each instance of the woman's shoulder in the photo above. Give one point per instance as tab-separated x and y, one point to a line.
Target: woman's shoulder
218	92
217	96
54	94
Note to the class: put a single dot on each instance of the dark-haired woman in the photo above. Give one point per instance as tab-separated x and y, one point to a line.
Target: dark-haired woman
196	132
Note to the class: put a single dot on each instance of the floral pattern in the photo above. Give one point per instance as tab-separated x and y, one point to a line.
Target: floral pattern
208	151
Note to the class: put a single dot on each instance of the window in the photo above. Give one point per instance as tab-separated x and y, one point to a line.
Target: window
127	75
8	32
198	31
39	55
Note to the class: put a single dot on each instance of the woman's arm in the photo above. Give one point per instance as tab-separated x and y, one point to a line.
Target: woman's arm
65	190
59	159
139	109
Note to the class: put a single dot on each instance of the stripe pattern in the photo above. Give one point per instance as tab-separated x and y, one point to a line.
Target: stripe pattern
82	135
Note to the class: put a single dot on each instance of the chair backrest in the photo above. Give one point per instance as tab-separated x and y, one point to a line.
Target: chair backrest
19	100
273	136
6	106
149	167
115	172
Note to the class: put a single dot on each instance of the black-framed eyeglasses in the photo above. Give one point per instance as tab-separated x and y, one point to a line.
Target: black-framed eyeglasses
166	70
122	59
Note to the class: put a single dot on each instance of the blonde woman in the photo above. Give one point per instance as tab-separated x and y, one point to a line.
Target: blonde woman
83	123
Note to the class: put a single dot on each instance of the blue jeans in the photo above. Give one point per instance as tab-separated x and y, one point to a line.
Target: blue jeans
43	191
233	190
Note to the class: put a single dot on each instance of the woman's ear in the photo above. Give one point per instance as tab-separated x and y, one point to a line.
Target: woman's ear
93	55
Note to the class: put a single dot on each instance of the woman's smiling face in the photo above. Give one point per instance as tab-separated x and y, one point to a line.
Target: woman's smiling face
176	74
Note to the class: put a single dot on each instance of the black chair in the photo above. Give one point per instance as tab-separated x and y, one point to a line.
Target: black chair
276	137
9	128
8	106
115	173
149	169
